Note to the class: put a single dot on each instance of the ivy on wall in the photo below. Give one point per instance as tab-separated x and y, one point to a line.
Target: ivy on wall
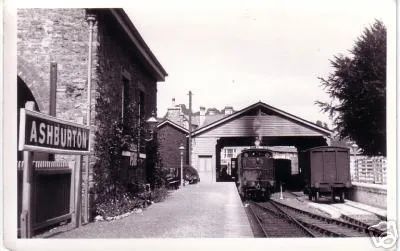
113	190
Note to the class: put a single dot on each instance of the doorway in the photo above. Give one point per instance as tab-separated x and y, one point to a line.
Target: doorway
205	169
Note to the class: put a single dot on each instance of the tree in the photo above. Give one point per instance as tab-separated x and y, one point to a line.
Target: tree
357	88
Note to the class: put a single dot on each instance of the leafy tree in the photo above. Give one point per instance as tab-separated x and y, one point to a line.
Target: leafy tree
357	88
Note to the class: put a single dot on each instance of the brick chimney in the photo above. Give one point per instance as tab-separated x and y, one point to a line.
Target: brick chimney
212	111
202	115
174	113
228	110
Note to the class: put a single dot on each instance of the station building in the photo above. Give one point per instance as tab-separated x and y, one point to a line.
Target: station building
219	136
272	126
124	71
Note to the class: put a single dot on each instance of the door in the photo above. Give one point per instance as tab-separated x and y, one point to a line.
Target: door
205	169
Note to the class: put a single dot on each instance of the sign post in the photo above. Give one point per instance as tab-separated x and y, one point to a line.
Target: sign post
26	214
40	132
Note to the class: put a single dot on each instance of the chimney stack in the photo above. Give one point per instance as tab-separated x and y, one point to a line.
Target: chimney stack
202	115
211	111
173	113
228	110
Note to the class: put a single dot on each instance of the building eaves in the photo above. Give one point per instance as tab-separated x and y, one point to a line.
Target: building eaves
169	122
147	55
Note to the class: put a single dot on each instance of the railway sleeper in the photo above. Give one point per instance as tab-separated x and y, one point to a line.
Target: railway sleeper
329	220
366	227
281	216
332	225
336	229
324	231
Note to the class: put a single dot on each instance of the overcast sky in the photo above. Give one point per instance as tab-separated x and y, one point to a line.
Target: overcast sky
236	53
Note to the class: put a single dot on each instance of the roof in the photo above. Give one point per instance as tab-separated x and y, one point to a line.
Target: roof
232	116
321	148
146	54
169	122
209	119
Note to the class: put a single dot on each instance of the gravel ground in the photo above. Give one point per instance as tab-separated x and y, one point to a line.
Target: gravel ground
194	211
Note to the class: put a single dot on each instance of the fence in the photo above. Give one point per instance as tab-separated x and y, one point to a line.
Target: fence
53	192
370	170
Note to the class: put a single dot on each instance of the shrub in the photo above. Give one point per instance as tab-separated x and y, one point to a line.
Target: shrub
117	205
159	194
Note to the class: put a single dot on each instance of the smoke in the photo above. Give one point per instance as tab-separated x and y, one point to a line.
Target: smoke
257	126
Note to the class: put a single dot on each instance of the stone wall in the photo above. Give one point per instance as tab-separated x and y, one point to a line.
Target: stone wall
61	36
369	194
116	58
116	54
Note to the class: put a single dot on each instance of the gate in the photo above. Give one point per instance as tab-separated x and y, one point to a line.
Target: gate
52	192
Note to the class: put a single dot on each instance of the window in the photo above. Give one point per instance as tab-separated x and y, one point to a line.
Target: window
125	97
125	93
141	103
229	153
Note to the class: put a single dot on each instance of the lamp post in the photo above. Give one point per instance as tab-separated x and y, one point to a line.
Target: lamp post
181	149
151	122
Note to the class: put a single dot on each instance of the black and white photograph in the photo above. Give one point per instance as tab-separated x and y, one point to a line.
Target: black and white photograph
199	125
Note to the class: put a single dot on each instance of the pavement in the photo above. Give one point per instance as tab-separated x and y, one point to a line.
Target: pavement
194	211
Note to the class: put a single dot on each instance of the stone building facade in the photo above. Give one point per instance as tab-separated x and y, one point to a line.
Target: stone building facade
124	70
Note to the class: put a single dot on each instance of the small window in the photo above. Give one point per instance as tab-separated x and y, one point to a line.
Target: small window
142	103
125	98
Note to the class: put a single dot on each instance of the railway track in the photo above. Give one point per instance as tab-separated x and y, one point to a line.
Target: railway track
275	223
350	227
363	221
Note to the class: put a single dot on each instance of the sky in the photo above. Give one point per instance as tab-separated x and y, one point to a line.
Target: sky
231	52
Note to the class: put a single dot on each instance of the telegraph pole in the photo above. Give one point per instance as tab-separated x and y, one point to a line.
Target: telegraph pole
190	128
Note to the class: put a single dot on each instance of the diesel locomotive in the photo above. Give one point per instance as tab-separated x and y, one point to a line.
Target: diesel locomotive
256	174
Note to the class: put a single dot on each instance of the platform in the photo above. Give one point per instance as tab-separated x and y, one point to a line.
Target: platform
194	211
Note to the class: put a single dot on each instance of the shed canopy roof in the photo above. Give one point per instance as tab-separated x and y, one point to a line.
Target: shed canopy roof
264	120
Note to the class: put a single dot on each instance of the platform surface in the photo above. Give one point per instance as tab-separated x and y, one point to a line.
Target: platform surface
194	211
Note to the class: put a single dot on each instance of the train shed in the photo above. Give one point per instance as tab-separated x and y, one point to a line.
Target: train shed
272	126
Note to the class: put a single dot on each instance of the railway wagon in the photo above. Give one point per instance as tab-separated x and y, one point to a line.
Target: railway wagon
256	174
326	171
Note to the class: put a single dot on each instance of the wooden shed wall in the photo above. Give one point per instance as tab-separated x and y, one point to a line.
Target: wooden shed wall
266	125
203	147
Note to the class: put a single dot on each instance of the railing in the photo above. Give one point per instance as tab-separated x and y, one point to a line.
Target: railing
53	192
370	170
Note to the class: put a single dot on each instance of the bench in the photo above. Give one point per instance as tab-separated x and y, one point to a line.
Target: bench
173	182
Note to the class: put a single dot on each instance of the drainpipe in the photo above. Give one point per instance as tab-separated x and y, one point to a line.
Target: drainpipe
91	19
53	95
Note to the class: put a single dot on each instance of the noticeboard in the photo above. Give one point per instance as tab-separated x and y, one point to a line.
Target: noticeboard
43	133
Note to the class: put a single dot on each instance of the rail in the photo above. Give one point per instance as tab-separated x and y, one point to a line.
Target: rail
279	214
359	228
258	221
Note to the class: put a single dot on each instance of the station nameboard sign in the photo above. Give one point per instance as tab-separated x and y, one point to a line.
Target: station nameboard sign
44	133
